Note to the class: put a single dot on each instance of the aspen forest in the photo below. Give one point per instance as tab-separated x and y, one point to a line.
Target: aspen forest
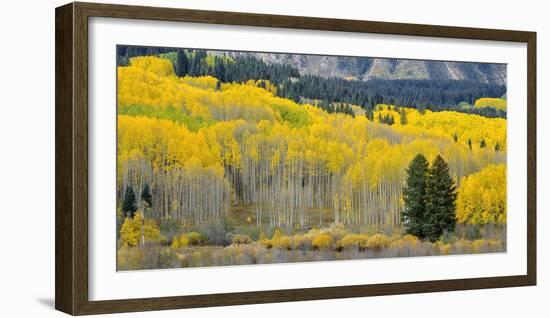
240	158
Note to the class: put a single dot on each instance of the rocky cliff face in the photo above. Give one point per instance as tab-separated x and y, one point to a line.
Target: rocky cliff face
366	68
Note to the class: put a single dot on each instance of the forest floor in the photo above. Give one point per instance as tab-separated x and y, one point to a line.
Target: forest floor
240	242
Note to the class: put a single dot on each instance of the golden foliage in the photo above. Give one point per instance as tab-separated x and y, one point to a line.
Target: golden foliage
186	124
408	240
482	196
278	240
301	242
136	228
186	239
241	239
282	242
378	242
322	241
496	103
353	241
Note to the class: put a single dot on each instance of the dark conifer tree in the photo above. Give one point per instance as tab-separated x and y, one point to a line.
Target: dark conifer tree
369	114
146	195
182	63
482	143
440	201
129	206
414	195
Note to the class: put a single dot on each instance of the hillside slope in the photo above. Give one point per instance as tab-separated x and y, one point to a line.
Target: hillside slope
365	68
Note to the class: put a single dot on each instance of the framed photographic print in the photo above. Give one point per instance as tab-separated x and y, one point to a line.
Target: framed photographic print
218	158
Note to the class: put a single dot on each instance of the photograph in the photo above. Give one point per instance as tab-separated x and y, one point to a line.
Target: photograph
229	158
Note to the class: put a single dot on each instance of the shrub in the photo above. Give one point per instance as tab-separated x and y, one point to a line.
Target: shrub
337	231
484	246
191	238
252	232
169	228
301	242
133	228
180	241
277	233
353	241
445	249
410	238
241	239
264	241
312	234
196	238
278	240
448	238
129	232
410	245
217	232
129	258
282	242
378	242
461	247
322	241
175	243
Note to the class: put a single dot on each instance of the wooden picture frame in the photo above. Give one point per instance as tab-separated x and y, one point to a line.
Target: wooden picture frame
71	122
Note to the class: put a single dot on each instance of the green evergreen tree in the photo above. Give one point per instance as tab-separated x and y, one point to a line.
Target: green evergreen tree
482	143
369	114
390	120
470	144
182	63
219	69
497	146
146	195
129	206
414	195
441	194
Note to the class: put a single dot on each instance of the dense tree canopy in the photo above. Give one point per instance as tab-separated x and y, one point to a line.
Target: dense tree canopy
334	93
482	196
202	146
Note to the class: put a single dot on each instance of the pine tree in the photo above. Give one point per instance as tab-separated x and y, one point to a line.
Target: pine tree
482	143
369	114
390	120
146	195
440	201
497	146
129	206
470	144
219	69
414	195
182	63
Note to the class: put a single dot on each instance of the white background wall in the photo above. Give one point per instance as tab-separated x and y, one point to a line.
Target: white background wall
27	158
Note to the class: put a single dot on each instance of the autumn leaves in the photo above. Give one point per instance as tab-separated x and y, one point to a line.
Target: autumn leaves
204	146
